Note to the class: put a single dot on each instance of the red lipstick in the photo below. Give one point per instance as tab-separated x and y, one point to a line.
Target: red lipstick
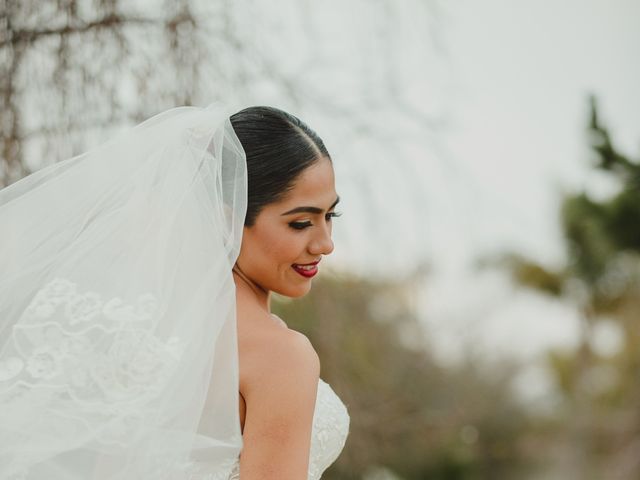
307	270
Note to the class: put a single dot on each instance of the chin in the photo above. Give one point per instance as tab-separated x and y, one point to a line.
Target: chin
295	292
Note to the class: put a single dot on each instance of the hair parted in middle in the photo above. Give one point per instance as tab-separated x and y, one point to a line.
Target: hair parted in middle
278	147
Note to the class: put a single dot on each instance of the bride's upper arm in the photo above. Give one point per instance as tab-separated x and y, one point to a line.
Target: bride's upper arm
280	396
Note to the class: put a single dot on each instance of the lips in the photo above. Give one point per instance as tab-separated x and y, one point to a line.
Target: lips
307	270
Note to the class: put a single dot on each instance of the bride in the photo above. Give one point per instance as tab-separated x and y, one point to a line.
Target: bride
136	339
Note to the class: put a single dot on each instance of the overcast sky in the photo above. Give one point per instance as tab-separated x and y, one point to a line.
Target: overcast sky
510	82
521	73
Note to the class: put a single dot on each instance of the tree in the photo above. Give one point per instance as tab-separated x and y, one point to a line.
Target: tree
71	68
602	276
72	71
409	414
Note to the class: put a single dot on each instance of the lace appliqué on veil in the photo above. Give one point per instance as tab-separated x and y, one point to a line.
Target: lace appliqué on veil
99	355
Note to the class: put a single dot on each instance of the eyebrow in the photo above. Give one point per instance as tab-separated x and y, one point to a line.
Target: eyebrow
310	209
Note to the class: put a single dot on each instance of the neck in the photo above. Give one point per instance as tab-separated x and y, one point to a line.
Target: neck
262	296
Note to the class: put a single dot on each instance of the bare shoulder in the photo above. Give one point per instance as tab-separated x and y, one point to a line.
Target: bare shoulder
271	353
267	345
279	383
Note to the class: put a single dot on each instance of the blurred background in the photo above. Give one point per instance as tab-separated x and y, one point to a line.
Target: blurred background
481	314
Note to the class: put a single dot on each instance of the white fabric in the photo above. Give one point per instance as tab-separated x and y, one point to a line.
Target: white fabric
328	435
118	347
330	430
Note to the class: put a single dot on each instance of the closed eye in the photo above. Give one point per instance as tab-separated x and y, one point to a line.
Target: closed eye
303	225
300	225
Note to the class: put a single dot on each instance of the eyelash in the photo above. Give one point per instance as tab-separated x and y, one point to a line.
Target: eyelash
303	225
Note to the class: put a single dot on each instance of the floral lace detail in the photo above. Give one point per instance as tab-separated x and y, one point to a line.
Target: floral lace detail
330	430
83	308
328	435
100	355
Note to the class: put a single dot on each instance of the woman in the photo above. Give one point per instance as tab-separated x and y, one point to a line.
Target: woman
129	349
291	203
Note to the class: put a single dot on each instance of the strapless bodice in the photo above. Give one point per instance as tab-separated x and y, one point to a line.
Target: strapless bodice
328	435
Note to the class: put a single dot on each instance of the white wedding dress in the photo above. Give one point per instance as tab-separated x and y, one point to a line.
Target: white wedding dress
328	435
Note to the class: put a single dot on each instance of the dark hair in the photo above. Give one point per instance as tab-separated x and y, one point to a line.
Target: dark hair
278	146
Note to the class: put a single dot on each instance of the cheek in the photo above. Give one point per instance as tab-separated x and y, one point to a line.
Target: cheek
279	247
286	247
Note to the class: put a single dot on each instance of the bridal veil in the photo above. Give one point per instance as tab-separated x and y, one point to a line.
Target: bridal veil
118	340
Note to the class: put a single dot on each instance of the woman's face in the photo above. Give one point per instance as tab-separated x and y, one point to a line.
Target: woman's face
290	234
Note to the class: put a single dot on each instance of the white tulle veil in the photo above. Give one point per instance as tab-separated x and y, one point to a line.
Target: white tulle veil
118	340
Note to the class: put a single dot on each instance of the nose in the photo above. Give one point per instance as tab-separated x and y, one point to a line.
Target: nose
322	244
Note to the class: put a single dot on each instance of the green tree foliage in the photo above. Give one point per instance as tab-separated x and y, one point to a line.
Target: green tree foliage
598	230
409	413
599	425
